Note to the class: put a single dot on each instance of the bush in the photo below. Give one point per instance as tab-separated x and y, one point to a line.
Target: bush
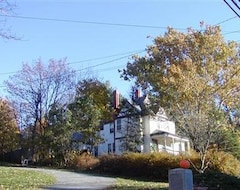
225	163
82	160
156	165
151	166
85	161
217	181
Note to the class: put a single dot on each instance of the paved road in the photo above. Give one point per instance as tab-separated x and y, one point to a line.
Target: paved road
76	181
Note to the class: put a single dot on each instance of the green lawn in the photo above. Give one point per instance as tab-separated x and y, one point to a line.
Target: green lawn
130	184
15	178
18	179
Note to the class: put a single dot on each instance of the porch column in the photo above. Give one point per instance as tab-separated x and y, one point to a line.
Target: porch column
165	142
173	145
181	143
146	134
188	147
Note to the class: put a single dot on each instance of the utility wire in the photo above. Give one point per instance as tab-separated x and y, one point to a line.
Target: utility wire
234	2
93	59
106	62
225	20
99	58
232	7
88	22
103	23
93	66
236	31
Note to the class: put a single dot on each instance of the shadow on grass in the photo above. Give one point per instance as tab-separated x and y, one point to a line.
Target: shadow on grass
136	188
129	182
217	181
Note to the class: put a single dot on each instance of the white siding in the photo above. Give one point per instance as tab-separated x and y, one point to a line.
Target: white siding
108	138
164	126
171	144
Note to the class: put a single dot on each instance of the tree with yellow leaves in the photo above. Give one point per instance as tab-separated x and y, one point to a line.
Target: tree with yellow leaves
195	76
9	133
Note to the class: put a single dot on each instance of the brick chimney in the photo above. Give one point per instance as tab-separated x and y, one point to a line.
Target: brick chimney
137	94
116	99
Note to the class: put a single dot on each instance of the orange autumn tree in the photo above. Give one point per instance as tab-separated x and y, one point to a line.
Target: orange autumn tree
9	133
195	76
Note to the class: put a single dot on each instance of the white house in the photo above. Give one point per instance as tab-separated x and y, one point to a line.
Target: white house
156	131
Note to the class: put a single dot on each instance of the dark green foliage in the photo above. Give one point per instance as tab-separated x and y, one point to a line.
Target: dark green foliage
228	141
56	140
217	181
90	107
132	128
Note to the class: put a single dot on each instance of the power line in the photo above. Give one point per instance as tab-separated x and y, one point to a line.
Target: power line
98	58
100	64
106	62
236	31
103	23
231	7
89	22
226	20
93	59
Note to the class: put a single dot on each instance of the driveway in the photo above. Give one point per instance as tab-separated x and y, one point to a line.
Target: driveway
76	181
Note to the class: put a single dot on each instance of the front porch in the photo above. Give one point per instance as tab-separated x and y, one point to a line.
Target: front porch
170	143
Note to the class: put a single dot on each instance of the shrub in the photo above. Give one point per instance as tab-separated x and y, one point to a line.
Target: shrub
85	161
225	163
154	165
217	181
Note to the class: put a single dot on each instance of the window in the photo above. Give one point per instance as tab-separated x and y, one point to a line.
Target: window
111	125
119	124
111	130
109	148
113	147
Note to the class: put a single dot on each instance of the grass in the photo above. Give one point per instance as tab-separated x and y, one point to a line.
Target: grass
15	178
131	184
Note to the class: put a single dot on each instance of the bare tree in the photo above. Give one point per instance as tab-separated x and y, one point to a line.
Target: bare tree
6	9
35	89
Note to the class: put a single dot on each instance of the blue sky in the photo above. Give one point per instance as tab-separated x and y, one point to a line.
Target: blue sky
84	31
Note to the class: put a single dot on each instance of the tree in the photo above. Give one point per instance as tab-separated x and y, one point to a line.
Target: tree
6	8
9	133
131	132
228	141
35	90
195	77
58	135
90	108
